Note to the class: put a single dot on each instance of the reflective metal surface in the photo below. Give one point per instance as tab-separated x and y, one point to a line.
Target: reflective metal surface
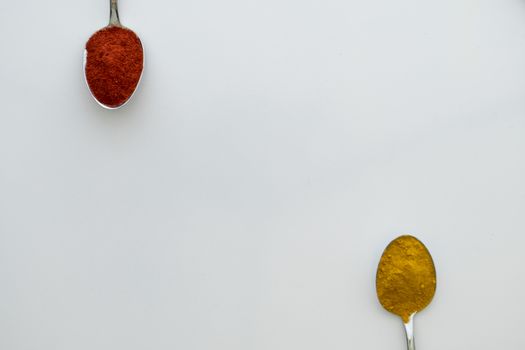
409	329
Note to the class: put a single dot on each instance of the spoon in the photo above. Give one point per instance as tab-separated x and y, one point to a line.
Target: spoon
406	281
113	62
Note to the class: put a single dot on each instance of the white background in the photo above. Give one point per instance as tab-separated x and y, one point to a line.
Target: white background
243	198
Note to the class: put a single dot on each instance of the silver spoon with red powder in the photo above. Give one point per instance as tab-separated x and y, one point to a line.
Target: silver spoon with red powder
113	62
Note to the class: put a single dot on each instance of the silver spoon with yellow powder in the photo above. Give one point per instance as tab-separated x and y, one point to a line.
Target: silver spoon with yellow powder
406	281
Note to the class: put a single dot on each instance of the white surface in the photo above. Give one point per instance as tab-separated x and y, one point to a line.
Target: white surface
243	198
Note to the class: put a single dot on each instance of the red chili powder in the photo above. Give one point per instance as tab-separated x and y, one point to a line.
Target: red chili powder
114	64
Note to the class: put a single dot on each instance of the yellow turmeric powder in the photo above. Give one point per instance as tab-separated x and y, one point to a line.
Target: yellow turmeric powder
406	277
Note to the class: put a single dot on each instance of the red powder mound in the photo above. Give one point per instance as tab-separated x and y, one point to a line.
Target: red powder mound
114	64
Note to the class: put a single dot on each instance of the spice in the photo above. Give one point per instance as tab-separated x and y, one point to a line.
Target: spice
114	64
406	277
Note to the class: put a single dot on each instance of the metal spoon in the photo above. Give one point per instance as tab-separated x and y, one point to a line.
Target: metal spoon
409	331
114	21
406	281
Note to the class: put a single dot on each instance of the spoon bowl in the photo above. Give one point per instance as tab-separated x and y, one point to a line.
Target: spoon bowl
113	62
406	281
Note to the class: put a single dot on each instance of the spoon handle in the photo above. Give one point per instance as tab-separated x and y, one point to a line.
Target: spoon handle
114	19
409	329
